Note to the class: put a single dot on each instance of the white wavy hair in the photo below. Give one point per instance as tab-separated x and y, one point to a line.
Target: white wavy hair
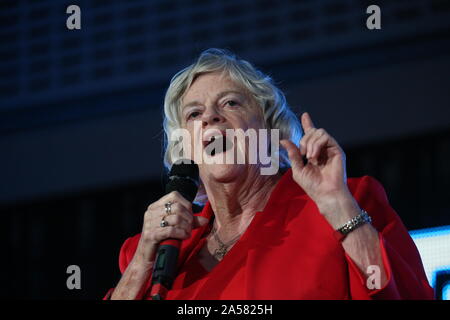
277	113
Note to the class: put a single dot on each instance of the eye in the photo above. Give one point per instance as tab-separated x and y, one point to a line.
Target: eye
194	114
231	103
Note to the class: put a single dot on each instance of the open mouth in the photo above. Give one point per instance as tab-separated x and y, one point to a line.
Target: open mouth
217	144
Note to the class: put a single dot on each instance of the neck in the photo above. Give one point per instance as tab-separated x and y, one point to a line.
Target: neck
235	203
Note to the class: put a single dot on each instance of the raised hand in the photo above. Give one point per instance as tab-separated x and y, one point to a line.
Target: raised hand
324	176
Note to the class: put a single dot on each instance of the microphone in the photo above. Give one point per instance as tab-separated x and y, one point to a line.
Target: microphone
184	178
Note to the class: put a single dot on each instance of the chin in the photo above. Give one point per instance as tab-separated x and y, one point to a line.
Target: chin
221	172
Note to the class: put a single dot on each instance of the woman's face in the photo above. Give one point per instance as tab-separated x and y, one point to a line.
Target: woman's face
214	101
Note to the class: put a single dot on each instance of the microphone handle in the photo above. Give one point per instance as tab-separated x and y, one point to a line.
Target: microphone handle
166	263
165	268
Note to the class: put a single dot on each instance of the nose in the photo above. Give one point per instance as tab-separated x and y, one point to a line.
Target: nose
211	116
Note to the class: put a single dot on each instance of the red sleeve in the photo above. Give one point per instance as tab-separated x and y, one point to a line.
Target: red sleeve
406	277
126	254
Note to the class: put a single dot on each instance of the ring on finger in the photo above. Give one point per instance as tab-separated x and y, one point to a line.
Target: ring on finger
163	222
168	207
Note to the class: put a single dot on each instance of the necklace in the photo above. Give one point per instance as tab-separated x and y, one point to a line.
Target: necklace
220	252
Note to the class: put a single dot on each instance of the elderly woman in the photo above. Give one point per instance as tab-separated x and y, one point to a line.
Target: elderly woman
305	232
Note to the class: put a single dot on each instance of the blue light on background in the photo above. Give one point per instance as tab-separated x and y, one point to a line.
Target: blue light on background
434	248
446	292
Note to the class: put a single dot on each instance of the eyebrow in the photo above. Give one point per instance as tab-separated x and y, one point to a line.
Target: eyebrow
218	96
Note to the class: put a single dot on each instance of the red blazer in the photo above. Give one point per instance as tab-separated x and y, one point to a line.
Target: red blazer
290	251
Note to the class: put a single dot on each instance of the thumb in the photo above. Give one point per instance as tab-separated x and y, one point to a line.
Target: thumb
200	222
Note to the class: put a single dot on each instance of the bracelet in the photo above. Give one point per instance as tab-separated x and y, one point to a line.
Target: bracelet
354	223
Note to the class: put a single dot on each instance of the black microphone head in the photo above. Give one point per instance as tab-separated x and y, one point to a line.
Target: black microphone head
184	178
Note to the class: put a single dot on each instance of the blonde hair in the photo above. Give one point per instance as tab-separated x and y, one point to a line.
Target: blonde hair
277	113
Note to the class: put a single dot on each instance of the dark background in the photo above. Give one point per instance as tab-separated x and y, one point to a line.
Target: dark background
80	113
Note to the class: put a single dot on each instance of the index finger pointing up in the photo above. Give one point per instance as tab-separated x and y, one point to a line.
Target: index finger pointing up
307	123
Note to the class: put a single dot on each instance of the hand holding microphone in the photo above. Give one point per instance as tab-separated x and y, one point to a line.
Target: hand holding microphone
166	222
183	180
180	223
